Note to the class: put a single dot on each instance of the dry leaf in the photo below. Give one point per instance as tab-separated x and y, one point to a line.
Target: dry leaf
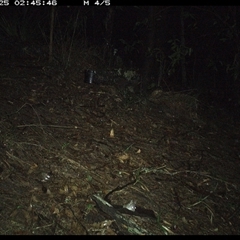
74	188
56	211
32	168
66	189
112	133
123	157
184	220
68	213
32	100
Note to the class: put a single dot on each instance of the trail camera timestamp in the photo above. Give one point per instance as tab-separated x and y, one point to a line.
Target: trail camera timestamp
34	2
28	2
4	3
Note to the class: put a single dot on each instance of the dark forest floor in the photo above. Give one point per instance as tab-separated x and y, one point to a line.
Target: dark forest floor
81	158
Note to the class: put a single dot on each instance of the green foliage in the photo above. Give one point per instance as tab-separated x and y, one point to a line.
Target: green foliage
131	47
178	52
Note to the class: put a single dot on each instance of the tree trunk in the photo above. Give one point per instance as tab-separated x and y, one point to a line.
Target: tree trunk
148	61
108	25
51	35
183	59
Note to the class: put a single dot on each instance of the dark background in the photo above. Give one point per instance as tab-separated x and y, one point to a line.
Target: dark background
175	48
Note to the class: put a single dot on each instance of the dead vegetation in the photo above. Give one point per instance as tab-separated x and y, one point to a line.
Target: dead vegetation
102	160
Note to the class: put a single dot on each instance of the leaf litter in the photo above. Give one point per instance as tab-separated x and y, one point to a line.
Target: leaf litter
98	159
